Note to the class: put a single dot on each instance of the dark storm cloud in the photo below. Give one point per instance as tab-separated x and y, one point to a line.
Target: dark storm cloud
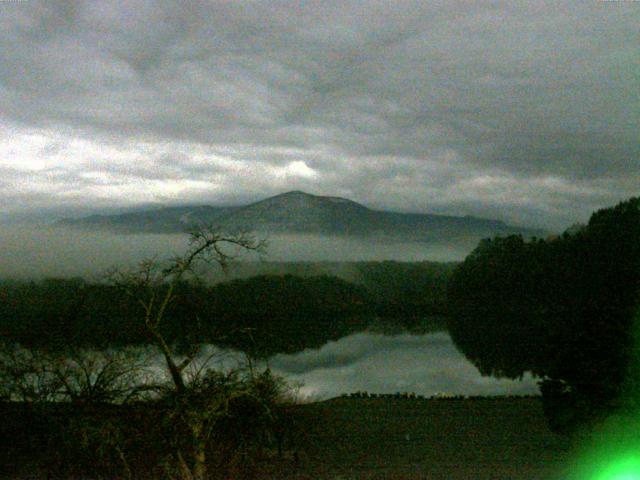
527	111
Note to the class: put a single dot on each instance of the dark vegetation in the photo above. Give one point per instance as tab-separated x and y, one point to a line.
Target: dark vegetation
199	412
250	433
356	438
260	315
443	439
562	309
406	292
275	313
83	405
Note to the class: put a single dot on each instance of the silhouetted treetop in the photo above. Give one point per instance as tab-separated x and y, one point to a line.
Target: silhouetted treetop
561	309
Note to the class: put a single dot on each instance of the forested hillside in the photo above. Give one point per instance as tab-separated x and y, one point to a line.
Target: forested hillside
263	314
561	308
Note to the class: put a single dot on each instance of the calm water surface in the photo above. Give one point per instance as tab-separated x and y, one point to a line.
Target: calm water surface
425	364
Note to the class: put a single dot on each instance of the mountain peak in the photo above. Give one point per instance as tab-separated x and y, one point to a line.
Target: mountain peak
299	195
300	212
304	199
294	193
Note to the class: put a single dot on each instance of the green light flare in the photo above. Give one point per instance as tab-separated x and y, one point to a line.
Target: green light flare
626	468
611	451
630	394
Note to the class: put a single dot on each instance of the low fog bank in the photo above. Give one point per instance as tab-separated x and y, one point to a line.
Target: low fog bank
316	248
35	252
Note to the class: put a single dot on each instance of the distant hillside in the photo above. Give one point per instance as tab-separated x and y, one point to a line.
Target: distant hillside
299	212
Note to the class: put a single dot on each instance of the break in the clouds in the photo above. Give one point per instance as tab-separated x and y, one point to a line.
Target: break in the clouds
523	111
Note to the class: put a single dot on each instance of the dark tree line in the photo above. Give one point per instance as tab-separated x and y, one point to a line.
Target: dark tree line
562	309
274	314
406	290
193	400
265	315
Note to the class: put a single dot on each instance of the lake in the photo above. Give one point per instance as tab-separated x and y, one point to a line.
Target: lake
426	364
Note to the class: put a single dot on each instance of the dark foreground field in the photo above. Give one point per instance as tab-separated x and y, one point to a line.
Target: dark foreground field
366	438
498	438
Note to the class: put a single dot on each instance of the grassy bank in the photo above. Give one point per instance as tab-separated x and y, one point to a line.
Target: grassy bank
347	438
490	438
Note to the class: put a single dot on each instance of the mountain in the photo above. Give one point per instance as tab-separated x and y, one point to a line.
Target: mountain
160	220
299	212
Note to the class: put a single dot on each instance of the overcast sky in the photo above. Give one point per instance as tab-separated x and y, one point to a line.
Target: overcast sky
522	111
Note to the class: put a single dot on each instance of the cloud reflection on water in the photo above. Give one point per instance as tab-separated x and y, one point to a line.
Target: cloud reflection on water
424	364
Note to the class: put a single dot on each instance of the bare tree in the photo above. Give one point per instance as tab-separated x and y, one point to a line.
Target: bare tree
73	374
207	415
26	376
153	285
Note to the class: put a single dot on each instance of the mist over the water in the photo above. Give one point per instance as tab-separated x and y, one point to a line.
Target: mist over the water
34	252
306	247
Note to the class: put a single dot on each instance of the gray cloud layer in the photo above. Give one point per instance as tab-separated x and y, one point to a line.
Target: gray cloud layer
526	111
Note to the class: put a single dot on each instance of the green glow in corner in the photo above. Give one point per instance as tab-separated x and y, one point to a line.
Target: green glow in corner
612	450
613	453
627	468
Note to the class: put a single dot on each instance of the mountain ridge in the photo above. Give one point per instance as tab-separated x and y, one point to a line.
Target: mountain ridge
299	212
